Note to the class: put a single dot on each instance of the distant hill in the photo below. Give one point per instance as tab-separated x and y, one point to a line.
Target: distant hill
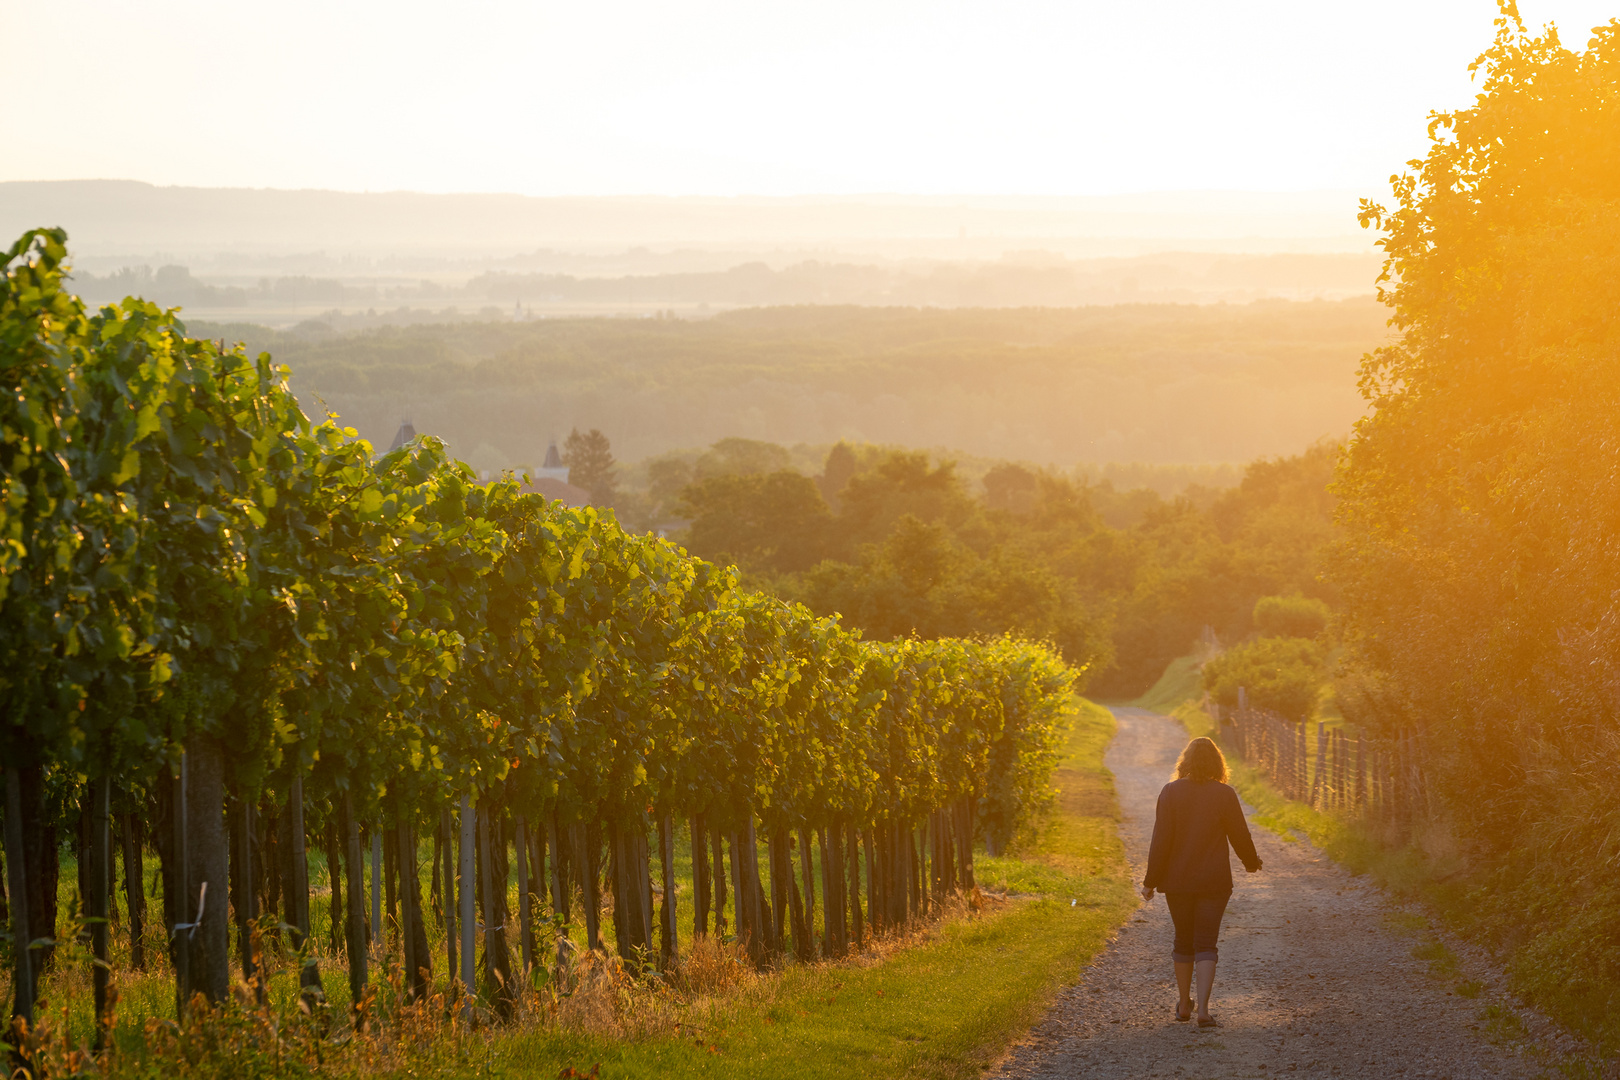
1150	383
124	216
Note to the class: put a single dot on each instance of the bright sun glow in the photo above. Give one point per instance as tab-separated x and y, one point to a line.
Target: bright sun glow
727	97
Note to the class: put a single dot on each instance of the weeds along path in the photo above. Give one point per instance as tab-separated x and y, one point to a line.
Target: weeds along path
1316	976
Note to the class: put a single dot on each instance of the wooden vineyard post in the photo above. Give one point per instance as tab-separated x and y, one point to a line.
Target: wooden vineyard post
835	898
100	864
465	890
894	880
525	927
447	893
22	1001
700	877
407	942
939	859
807	858
412	932
642	865
181	907
209	864
559	892
623	935
496	960
795	897
354	916
134	890
915	881
781	872
376	884
587	843
668	925
247	908
337	881
297	856
719	885
829	937
857	927
761	909
745	893
874	915
389	838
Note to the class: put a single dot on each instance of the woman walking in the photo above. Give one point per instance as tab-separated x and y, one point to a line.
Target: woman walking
1198	815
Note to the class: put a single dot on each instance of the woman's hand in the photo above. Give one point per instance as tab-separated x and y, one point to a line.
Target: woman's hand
1255	869
1147	894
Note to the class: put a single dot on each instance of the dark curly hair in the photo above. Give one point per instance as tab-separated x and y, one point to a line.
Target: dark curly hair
1202	760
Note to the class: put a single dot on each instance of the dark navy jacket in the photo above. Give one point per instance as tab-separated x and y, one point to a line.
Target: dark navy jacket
1195	820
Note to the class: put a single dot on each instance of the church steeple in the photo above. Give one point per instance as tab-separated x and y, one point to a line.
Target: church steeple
406	433
554	466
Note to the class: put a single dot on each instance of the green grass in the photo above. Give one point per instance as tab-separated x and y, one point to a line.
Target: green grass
1180	683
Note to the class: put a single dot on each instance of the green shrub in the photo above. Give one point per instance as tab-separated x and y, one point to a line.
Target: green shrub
1283	674
1290	616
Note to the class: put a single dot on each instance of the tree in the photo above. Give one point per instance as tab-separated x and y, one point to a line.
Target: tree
1290	616
1010	487
776	522
590	464
840	467
1479	495
740	457
1282	674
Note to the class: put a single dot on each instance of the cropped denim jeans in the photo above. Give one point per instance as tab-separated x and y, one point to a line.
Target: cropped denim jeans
1197	916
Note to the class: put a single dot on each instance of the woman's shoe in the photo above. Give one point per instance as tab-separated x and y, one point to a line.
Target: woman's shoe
1208	1022
1180	1016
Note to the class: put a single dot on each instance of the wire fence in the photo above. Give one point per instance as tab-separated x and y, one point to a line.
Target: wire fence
1380	779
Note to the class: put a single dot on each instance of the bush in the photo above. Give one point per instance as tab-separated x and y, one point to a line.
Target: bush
1290	616
1283	674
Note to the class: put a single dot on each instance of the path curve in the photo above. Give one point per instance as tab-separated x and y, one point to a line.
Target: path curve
1313	979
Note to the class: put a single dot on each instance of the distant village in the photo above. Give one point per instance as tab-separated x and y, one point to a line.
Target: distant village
550	479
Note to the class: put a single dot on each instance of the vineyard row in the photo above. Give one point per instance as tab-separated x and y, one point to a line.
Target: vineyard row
208	595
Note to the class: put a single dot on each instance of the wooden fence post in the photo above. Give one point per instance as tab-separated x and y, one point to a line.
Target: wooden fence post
1359	796
1318	784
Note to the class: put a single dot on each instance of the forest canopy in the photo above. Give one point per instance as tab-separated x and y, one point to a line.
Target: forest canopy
898	544
1158	383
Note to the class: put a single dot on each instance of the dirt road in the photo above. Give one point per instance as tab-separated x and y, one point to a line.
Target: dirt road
1316	975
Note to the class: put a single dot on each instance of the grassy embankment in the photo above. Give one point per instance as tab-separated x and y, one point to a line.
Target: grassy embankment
942	1004
1490	902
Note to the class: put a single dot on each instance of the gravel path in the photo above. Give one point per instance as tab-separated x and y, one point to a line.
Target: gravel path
1315	977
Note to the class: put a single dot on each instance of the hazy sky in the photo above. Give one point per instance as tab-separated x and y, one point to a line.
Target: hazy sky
741	96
